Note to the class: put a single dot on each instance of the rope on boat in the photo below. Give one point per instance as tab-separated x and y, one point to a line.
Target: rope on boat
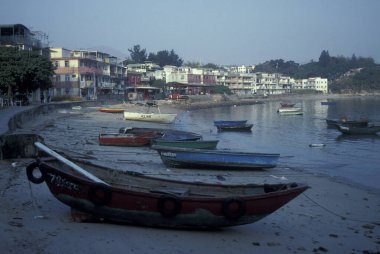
339	215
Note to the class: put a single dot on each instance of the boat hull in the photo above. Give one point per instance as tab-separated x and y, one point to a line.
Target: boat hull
238	127
111	110
118	139
150	117
195	144
215	159
359	130
137	199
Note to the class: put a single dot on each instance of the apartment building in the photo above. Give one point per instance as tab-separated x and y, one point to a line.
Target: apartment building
86	73
315	83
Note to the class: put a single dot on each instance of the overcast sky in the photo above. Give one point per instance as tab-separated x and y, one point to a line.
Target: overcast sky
207	31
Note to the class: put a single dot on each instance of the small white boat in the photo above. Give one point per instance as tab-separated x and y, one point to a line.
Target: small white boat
290	111
150	117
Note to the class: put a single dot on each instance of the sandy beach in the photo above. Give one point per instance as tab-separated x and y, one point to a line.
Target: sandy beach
333	216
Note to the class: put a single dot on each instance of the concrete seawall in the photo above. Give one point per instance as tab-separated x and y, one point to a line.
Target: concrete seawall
17	120
21	145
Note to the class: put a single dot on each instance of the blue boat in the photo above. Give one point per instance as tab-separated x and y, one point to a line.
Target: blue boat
215	159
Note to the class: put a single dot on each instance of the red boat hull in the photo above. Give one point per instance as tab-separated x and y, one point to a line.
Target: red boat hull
170	204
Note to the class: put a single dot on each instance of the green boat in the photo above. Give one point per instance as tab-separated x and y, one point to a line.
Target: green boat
195	144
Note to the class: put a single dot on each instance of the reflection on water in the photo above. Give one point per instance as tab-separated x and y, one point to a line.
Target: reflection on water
346	156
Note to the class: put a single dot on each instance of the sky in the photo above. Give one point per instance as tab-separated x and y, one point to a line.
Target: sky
223	32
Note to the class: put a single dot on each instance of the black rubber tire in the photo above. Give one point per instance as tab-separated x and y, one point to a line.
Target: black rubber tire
169	206
233	214
100	194
29	172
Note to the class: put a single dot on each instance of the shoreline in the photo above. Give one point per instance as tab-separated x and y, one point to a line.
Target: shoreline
332	216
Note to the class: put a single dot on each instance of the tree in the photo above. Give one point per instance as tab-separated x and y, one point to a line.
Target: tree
164	57
138	55
324	58
24	71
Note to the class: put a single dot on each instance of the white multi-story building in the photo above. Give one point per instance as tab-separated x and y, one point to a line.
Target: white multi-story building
315	83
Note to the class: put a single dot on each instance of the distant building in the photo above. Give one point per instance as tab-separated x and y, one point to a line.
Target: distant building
20	36
315	83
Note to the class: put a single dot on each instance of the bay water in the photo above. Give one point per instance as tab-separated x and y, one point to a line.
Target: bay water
353	158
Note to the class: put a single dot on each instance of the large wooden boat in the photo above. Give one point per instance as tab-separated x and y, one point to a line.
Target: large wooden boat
215	159
130	197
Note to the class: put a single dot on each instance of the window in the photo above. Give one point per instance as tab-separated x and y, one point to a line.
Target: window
66	63
67	77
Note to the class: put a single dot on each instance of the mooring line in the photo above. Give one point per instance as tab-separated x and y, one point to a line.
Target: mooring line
338	215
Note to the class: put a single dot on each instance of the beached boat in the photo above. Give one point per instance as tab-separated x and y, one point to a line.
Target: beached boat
359	130
134	198
111	110
167	134
130	139
150	117
195	144
215	159
347	122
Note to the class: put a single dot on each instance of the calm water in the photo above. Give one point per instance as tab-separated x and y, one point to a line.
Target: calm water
356	158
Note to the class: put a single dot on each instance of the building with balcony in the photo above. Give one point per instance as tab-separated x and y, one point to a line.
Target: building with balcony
86	73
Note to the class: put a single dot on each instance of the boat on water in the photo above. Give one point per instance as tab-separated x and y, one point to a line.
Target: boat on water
347	122
290	111
325	103
165	134
238	127
150	117
128	139
222	122
111	110
359	130
215	159
134	198
195	144
287	104
241	125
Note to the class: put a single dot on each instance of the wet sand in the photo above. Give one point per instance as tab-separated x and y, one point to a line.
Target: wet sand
333	216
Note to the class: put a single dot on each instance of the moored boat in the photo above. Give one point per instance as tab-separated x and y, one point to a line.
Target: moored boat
287	104
134	198
347	122
195	144
241	125
215	159
359	130
290	110
237	127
